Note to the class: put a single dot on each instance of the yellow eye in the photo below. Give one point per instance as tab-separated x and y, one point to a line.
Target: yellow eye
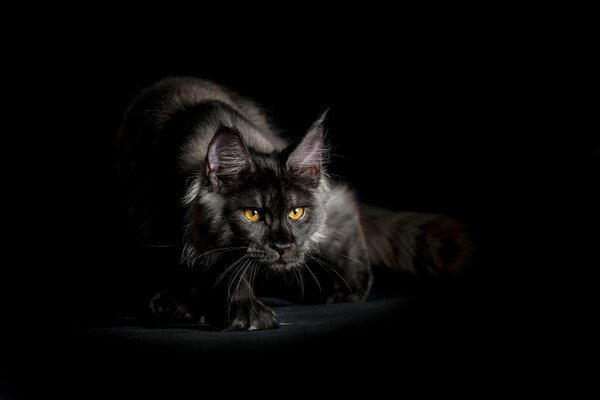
251	214
296	213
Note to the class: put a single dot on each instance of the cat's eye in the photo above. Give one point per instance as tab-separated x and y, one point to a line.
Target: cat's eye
296	213
251	214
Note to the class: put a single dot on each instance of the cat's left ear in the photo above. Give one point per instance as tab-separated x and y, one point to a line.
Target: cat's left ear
306	160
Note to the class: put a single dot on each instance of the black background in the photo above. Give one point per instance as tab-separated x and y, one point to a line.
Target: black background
443	126
455	124
470	123
428	130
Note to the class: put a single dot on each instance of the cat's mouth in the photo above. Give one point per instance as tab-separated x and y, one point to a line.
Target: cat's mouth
287	262
275	262
279	265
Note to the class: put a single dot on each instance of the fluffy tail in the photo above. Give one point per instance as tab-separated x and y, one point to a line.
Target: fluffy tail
416	243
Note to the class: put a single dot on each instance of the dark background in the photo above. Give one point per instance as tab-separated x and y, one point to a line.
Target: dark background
432	131
445	126
471	124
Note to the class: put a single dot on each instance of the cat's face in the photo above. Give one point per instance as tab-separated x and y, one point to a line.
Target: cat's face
274	218
270	206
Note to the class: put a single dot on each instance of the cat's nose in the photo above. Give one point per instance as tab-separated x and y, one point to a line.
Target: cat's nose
281	247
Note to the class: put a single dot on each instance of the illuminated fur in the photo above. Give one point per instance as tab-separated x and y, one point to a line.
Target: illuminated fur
194	155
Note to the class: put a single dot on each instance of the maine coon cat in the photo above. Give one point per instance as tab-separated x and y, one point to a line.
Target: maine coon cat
202	166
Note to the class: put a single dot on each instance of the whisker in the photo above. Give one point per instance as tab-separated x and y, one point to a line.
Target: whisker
245	256
324	264
313	276
301	283
253	271
241	278
226	249
299	280
235	276
218	252
176	311
353	259
285	280
192	257
230	294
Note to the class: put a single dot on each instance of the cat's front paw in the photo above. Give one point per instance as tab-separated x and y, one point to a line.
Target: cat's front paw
249	315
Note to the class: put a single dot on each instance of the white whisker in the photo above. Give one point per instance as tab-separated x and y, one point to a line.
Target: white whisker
313	275
235	276
228	269
353	259
240	279
300	282
324	264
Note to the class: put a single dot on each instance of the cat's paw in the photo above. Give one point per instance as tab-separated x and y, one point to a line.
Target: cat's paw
250	315
353	290
166	307
341	297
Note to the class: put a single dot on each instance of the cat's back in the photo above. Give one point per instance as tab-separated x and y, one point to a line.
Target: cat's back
177	117
155	106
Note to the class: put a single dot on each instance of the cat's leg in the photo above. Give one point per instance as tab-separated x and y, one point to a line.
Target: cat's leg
347	256
233	306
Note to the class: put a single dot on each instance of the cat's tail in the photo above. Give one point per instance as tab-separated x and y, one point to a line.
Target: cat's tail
421	244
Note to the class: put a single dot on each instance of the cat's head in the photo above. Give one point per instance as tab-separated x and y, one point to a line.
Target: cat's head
268	207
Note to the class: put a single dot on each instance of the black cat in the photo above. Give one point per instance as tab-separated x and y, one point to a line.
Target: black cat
202	166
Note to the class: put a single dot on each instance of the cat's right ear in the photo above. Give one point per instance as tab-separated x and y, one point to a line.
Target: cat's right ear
228	161
306	160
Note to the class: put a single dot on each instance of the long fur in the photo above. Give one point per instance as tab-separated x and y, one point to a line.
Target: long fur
416	243
191	151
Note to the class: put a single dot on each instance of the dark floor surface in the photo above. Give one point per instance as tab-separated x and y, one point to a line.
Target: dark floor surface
440	333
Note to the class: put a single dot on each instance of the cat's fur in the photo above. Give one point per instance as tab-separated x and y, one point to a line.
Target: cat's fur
194	155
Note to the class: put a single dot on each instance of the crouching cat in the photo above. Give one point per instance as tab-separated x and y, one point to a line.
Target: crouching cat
202	166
